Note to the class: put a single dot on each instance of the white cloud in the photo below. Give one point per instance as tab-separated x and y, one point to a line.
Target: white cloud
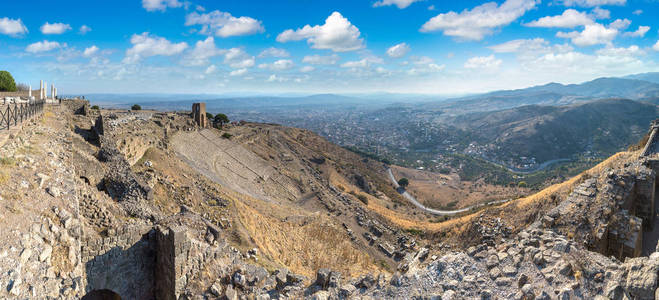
280	65
337	34
84	29
307	69
12	27
620	24
640	32
239	72
145	45
600	13
514	46
656	46
480	21
362	63
569	19
274	52
593	3
211	69
592	34
161	5
632	50
237	58
430	68
89	52
399	3
431	7
55	28
321	60
223	24
399	50
638	12
483	62
43	46
275	78
202	52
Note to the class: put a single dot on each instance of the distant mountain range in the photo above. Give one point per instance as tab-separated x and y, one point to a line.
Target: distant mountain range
642	87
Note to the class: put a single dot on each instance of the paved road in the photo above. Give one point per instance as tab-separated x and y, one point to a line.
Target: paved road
416	203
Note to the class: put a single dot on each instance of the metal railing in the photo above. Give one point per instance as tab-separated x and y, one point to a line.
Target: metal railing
18	112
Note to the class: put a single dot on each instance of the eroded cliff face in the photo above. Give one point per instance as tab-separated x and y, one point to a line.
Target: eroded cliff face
116	203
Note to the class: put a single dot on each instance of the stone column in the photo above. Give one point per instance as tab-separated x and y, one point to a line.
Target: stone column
29	92
41	90
45	90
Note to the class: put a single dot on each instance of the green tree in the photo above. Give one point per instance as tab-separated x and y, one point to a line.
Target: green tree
404	182
220	119
7	83
209	116
136	107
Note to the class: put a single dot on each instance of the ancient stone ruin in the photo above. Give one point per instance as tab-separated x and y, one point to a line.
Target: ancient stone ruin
199	114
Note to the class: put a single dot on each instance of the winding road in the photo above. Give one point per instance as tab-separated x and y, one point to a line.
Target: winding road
416	203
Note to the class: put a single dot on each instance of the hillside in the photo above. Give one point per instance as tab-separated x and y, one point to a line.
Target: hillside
600	128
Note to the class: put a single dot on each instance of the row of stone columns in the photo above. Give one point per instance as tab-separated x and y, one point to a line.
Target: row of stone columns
43	94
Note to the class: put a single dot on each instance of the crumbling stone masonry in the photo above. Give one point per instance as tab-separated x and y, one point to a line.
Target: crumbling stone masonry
199	114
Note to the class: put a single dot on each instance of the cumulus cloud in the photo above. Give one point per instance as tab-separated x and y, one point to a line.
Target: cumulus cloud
54	28
223	24
280	65
237	58
307	69
362	63
656	46
275	78
160	5
399	3
600	13
399	50
480	21
570	18
145	45
12	27
202	52
90	51
84	29
239	72
483	62
593	3
43	46
640	32
632	50
592	34
321	60
514	46
620	24
337	34
211	69
274	52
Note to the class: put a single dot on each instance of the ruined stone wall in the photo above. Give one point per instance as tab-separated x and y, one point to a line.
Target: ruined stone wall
123	262
77	106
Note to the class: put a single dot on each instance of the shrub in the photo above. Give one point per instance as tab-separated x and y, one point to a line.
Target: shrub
95	107
362	198
22	87
522	184
7	83
136	107
404	182
227	135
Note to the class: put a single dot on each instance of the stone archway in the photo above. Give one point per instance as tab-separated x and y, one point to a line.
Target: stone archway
103	294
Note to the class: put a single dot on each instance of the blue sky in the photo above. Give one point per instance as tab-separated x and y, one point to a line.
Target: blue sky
304	46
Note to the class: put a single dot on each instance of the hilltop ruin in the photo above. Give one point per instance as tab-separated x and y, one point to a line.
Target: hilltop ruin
156	205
